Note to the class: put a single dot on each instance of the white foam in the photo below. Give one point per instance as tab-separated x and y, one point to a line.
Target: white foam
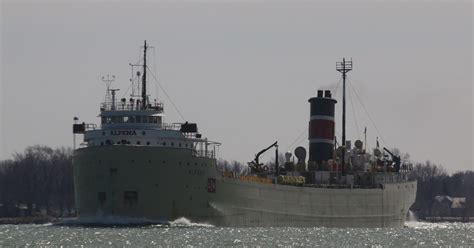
183	222
411	217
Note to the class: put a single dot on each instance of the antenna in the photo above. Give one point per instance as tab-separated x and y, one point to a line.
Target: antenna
144	98
344	67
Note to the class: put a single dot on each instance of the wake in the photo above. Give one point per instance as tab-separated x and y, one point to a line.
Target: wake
117	221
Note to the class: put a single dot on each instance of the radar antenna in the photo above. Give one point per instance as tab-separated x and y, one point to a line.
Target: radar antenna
344	67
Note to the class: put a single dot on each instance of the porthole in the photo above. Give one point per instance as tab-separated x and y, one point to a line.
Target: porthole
138	142
148	143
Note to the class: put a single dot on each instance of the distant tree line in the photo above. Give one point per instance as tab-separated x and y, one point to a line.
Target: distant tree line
38	180
433	180
232	166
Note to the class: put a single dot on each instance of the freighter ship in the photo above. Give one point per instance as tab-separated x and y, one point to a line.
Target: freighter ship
134	166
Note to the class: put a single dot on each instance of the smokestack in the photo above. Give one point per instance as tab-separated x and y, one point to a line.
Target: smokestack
321	127
327	93
320	93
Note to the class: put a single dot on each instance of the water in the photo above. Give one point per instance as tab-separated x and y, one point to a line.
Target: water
183	233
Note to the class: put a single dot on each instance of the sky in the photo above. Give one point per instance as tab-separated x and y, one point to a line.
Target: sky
244	70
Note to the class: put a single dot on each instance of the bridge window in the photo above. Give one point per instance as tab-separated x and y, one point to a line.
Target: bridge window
106	120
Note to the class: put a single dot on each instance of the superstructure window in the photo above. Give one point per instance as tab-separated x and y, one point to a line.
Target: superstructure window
101	197
130	198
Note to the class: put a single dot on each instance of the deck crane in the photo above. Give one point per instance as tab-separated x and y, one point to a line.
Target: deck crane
255	164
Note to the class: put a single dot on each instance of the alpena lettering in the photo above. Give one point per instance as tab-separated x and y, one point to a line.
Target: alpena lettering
123	132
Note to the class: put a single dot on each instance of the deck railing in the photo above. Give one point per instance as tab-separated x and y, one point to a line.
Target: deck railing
129	106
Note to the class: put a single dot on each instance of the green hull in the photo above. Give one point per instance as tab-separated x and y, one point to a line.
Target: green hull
164	184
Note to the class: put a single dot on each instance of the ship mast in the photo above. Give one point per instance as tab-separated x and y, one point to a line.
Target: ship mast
344	67
144	100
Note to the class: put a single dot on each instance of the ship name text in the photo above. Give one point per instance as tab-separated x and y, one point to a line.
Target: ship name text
123	132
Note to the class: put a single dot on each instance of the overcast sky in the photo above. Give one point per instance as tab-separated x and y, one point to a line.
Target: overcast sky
245	70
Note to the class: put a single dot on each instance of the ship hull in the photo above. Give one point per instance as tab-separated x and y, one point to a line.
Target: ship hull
164	184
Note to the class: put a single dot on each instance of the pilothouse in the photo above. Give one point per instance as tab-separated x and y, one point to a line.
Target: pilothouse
137	121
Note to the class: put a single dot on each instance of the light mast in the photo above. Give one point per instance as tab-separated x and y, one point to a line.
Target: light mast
144	100
344	67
